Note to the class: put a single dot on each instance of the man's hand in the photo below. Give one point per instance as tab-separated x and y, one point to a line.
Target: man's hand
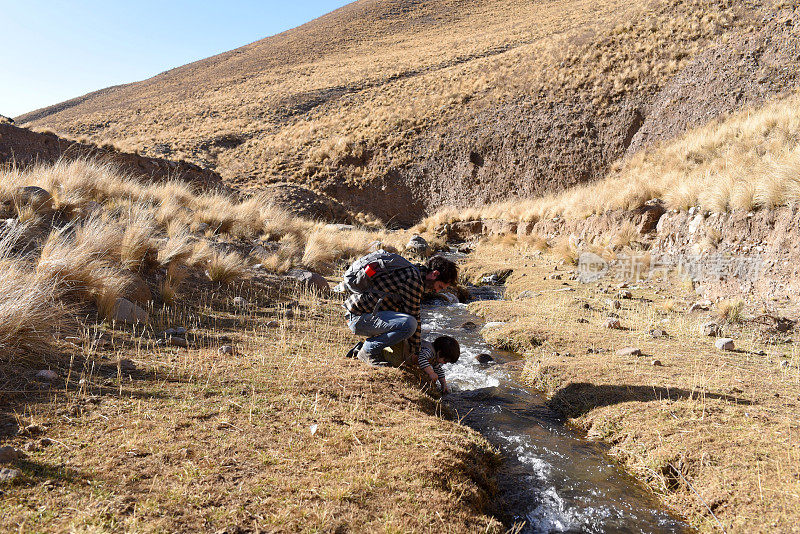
445	387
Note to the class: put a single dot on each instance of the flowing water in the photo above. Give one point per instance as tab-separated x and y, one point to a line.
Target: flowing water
551	479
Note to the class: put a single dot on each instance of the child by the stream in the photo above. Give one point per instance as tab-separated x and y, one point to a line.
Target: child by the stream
444	349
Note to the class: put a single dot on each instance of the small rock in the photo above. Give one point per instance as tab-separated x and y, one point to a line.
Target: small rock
469	325
47	375
226	349
127	365
623	285
484	358
310	280
465	249
177	341
30	446
491	279
724	343
554	277
613	304
126	311
629	351
239	302
657	363
703	305
583	320
657	333
625	294
34	430
272	324
9	454
45	442
711	329
785	364
417	245
613	323
202	228
7	476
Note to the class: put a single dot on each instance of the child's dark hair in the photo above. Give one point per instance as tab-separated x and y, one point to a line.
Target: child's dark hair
448	271
447	348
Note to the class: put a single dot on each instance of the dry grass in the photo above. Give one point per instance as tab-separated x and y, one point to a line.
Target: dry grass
191	441
720	419
225	268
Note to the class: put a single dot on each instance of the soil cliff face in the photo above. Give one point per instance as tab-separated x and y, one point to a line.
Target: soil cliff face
398	108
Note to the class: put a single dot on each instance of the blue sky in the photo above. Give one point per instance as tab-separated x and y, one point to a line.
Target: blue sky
51	51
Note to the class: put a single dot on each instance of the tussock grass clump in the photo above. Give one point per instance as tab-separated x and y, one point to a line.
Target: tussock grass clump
730	311
225	268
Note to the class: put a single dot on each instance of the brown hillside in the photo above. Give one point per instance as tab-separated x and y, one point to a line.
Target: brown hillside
399	107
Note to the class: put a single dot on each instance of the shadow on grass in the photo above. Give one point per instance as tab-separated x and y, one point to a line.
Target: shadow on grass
578	399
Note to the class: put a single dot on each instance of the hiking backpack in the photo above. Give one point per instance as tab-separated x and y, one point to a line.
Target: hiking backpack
358	278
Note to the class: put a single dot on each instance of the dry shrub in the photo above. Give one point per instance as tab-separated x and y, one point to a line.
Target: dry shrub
730	311
225	268
566	249
79	271
28	304
137	240
324	247
169	287
179	248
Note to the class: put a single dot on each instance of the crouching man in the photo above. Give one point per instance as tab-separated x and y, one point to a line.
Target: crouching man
386	298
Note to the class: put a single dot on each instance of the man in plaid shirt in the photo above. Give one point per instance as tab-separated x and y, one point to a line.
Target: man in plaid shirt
390	311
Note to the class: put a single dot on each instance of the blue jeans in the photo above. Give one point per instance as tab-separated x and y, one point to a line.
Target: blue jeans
382	329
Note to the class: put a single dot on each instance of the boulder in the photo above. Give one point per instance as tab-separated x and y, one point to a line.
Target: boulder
310	280
47	375
9	454
126	311
612	323
657	363
418	245
629	351
35	198
724	343
484	358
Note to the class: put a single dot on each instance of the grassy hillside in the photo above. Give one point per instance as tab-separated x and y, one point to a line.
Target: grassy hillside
747	161
398	107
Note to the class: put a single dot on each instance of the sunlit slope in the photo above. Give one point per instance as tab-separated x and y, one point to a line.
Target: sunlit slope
398	107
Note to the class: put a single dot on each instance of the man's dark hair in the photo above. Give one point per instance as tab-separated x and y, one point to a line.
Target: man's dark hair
448	271
447	348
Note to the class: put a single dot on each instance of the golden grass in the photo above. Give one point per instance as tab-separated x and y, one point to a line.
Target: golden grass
107	226
225	268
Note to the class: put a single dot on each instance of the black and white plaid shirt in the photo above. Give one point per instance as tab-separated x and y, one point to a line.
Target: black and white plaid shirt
400	290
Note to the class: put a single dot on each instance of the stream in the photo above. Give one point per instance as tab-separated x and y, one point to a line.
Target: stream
551	478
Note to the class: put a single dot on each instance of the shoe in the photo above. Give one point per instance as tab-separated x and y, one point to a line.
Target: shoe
369	359
352	352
